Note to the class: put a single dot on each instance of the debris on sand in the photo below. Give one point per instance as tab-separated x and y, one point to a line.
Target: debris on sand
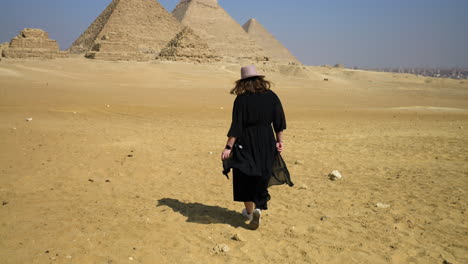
335	175
223	248
29	119
237	237
382	205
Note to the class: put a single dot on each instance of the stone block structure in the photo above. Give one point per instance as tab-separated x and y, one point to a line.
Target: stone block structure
215	26
275	50
128	30
33	43
188	46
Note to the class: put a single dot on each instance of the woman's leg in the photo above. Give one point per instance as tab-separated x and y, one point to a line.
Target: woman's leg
249	206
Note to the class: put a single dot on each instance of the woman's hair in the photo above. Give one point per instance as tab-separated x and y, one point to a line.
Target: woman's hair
256	84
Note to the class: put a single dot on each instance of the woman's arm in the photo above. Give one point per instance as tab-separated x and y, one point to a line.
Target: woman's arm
227	151
279	141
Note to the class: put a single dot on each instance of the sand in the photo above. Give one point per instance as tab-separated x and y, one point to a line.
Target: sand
121	164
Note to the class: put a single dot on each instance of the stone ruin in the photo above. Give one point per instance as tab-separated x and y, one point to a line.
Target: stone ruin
128	30
33	43
274	49
188	46
222	33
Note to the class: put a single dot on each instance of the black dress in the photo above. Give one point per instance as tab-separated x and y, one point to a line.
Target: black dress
254	117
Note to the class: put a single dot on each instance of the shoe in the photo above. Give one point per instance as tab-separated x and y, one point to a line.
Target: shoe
246	215
255	222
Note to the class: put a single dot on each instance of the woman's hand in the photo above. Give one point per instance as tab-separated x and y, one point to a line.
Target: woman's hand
279	146
226	153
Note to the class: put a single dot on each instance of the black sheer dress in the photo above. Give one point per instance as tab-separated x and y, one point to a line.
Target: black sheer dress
255	117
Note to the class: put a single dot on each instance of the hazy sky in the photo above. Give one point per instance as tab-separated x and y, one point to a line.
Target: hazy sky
364	33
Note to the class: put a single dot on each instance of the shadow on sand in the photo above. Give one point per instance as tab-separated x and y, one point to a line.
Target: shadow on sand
204	214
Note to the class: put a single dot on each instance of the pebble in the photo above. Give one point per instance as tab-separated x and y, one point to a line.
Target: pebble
335	175
29	119
299	162
311	205
237	237
223	248
323	218
130	258
108	106
303	187
382	205
4	203
211	152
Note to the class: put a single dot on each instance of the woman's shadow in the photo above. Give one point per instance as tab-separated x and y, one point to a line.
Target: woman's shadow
204	214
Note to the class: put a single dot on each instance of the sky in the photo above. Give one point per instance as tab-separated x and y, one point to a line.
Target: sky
361	33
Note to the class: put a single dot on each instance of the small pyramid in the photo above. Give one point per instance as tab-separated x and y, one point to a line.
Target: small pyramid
214	25
269	43
188	46
32	43
128	30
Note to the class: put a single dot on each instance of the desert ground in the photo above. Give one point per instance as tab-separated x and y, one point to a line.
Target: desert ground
121	164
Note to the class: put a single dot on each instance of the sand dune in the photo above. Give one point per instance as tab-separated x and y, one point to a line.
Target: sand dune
120	164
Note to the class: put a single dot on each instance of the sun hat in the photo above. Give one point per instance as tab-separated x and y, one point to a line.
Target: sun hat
249	71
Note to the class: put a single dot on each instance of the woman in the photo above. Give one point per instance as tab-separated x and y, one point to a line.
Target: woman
256	108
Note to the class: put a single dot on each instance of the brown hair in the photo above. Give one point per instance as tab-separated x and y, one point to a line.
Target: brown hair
256	84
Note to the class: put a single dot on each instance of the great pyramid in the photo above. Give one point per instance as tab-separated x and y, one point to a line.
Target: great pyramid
128	30
33	43
269	43
214	25
188	46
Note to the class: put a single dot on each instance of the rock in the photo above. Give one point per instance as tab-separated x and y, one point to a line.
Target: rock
130	258
325	79
335	175
4	203
299	162
29	119
303	187
90	180
223	248
382	205
323	218
312	205
211	152
237	237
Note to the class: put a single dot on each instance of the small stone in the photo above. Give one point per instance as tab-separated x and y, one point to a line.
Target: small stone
68	257
303	187
107	106
312	205
74	113
323	218
223	248
382	205
90	180
335	175
47	252
4	203
237	237
130	156
211	152
107	180
130	258
299	162
29	119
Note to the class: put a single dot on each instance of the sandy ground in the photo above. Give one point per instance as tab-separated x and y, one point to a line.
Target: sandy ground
120	164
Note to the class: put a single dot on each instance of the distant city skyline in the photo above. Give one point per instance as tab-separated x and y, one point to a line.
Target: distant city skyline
358	33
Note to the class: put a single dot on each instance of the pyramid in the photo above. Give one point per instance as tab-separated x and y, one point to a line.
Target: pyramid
128	30
214	25
268	42
188	46
32	43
